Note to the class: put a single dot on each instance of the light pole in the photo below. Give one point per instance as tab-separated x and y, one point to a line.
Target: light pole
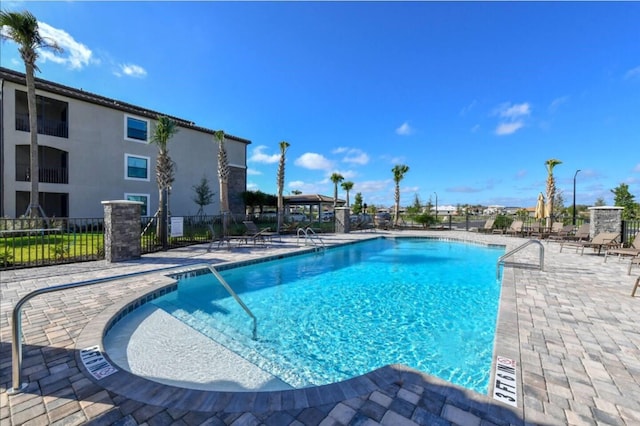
436	206
574	197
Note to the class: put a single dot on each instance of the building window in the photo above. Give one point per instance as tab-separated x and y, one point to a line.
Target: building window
143	198
136	167
135	129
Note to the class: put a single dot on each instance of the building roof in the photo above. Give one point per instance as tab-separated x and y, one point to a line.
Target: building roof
59	89
310	199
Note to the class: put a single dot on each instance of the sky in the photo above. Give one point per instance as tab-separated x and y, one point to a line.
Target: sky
473	97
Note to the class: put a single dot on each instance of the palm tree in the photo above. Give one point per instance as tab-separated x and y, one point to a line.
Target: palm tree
223	178
399	171
551	187
22	28
165	170
347	186
283	149
336	178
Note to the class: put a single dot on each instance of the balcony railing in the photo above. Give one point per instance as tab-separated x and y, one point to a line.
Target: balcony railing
45	174
45	126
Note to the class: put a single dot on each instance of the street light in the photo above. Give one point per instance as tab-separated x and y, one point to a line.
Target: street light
436	206
574	196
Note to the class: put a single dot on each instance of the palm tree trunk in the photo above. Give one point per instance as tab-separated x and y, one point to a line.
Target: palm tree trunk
34	203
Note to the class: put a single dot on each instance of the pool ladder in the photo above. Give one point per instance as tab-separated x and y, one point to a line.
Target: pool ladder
503	262
16	325
310	237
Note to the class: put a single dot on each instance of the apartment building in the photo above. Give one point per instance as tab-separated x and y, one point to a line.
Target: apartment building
92	148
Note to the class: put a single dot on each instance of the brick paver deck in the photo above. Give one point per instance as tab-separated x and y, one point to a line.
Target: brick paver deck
572	328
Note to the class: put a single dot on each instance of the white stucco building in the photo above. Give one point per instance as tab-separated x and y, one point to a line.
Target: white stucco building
92	148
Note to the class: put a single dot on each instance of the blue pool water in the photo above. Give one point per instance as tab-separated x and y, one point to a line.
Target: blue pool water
431	305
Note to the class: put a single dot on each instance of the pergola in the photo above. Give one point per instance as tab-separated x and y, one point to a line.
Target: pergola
313	202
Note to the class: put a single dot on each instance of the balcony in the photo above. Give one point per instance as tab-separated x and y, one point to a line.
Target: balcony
45	175
45	126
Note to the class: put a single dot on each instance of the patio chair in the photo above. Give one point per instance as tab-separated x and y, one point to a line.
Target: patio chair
515	228
632	250
560	232
635	287
488	226
256	235
634	261
600	241
581	234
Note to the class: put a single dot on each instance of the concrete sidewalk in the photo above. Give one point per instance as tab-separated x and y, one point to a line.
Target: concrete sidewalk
571	328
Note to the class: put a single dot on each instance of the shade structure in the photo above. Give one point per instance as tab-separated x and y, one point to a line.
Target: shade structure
540	212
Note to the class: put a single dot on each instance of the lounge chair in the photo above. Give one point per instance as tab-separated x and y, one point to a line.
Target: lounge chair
632	250
600	241
488	226
635	287
634	261
515	228
582	234
560	232
256	235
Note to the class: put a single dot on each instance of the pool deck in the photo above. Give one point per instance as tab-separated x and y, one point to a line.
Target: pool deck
572	329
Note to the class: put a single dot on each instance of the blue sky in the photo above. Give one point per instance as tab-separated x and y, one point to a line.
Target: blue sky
474	97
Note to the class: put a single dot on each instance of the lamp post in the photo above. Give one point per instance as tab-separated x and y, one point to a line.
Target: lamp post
436	206
574	196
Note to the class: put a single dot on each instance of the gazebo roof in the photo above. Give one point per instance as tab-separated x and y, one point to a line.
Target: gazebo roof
306	199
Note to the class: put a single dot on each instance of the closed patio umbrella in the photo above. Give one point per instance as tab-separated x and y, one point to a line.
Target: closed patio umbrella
540	212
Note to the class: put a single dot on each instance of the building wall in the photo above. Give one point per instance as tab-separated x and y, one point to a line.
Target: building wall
96	163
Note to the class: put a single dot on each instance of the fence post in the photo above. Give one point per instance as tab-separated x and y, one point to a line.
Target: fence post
122	230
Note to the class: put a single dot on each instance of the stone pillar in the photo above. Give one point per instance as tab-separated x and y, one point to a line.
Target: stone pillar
605	219
342	219
122	230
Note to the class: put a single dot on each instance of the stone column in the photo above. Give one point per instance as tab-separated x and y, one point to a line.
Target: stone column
342	219
122	230
605	219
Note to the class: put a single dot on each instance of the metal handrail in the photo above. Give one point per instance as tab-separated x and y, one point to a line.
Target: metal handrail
502	259
16	326
310	235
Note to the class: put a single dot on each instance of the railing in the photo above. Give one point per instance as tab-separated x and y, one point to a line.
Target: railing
46	126
502	259
16	325
45	174
25	243
311	237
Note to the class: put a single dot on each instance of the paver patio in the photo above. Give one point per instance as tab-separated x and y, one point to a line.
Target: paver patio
572	328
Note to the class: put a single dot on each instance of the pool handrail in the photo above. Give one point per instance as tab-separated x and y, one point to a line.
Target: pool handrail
16	324
502	259
310	235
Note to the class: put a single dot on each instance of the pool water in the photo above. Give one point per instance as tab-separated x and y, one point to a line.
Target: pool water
322	318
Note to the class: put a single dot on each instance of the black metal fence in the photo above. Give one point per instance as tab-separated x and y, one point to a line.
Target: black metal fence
28	242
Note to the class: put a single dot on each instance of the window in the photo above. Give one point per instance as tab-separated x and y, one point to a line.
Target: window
136	167
135	129
143	198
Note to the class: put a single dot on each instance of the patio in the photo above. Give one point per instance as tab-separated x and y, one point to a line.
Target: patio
571	328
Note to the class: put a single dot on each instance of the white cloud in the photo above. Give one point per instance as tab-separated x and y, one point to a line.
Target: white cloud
506	110
633	73
555	104
404	129
313	161
512	117
356	156
253	172
340	150
637	168
508	128
75	54
131	70
468	108
258	156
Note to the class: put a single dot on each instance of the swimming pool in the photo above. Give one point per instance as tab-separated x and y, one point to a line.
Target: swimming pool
429	304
